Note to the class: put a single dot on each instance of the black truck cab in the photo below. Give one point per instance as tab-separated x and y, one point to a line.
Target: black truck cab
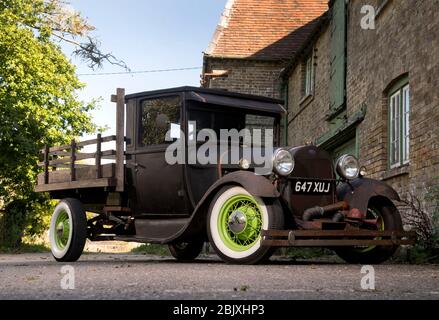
194	165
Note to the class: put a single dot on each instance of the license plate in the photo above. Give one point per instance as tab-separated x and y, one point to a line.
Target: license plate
312	187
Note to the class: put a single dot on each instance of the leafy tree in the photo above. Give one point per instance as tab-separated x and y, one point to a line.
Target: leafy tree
38	102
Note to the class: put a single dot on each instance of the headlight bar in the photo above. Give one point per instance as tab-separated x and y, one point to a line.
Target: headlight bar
283	162
348	167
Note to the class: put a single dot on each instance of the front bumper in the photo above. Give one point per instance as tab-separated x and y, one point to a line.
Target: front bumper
336	238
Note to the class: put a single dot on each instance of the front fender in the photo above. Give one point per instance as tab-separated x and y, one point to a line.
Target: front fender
358	192
256	185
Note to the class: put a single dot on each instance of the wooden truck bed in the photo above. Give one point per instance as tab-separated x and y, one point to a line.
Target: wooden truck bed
66	167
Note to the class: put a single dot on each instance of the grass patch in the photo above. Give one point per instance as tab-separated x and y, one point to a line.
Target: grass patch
155	249
421	255
25	248
305	253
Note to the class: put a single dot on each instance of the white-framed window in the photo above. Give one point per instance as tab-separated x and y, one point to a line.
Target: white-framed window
399	127
308	77
406	124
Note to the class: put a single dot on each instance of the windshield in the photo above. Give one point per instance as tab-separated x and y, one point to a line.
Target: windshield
258	128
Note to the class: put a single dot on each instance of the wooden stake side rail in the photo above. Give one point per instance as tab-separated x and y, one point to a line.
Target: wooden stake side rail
107	154
60	150
75	175
334	238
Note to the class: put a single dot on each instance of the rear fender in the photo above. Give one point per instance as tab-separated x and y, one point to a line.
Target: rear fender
359	192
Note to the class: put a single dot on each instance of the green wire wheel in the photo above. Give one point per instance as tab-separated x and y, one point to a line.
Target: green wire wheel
240	222
235	223
68	230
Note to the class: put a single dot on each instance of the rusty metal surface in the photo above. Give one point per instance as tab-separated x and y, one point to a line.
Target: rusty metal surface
358	193
355	214
333	243
334	238
337	233
342	205
318	212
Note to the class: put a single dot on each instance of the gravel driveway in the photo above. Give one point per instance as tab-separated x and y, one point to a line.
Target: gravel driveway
130	276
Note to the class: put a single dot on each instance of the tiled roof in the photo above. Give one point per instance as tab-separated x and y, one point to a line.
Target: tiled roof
265	29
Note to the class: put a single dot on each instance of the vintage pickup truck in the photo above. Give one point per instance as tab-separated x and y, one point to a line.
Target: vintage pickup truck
305	199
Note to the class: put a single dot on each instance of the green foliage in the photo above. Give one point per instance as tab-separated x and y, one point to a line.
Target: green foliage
421	255
25	248
427	248
155	249
433	196
429	251
38	105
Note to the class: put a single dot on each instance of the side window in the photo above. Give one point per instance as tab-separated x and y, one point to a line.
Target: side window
308	77
157	116
399	127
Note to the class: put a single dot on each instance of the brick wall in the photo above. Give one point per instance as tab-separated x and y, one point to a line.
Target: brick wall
406	40
307	115
246	76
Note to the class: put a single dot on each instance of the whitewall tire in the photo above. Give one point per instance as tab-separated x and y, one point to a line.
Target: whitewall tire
68	230
235	221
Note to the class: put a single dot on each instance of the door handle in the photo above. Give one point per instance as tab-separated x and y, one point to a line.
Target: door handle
137	166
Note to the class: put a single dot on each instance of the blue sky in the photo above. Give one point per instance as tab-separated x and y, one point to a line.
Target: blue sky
146	34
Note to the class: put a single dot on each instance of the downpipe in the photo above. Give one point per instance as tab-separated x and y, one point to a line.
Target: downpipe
318	212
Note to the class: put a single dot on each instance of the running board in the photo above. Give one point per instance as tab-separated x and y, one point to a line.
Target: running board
335	238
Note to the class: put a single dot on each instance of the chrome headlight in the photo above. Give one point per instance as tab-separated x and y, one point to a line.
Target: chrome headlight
244	164
283	162
348	167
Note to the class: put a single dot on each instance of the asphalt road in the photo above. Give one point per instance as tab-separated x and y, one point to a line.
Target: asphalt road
129	276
